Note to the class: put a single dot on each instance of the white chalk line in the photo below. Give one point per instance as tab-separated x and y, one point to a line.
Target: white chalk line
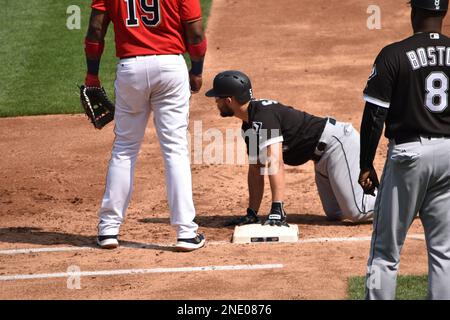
37	250
168	245
137	271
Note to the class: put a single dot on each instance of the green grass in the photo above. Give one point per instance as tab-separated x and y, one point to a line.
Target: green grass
408	288
206	8
42	61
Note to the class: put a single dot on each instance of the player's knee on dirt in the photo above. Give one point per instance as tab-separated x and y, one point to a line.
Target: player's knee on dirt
356	215
333	215
353	214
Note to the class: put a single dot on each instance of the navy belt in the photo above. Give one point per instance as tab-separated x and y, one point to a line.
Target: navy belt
154	54
130	57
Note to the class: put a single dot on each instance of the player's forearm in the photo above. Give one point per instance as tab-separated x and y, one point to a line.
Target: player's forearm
277	182
93	51
255	186
276	171
196	45
94	46
371	130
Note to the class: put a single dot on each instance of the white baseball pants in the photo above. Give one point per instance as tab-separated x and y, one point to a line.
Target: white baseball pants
145	84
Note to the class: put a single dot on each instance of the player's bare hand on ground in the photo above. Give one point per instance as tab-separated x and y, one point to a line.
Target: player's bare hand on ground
196	82
368	180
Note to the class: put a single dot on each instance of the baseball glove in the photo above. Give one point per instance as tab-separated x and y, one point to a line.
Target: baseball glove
97	106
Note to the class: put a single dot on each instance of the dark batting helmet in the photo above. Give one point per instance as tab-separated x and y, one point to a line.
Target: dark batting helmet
232	83
432	5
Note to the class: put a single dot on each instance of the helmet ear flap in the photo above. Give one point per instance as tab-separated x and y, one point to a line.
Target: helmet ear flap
241	100
245	97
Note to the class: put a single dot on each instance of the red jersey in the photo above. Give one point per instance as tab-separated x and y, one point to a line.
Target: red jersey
144	27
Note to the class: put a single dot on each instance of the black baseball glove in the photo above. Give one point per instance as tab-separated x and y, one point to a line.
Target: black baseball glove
276	216
97	106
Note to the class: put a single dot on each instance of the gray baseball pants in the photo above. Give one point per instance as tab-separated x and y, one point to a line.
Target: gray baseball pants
337	174
416	179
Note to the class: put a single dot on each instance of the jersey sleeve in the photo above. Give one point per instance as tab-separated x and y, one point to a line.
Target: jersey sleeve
251	142
267	125
190	10
381	81
99	5
264	130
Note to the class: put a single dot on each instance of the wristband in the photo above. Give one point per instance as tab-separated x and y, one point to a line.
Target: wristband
93	66
197	67
92	81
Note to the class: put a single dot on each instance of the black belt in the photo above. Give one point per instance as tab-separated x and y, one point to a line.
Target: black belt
332	121
320	148
416	138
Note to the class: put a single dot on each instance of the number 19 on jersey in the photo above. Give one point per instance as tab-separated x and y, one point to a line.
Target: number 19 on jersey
151	13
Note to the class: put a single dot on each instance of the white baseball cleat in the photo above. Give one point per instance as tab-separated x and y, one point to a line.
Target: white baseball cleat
192	244
107	242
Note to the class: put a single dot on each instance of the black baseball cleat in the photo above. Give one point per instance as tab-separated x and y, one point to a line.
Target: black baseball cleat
108	242
276	221
186	245
277	216
247	219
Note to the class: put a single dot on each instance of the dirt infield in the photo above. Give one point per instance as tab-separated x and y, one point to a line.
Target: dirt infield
313	56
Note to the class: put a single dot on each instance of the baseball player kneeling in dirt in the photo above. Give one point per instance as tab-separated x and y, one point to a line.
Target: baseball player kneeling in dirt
276	134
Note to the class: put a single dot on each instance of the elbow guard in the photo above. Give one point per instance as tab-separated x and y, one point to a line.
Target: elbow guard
94	50
199	49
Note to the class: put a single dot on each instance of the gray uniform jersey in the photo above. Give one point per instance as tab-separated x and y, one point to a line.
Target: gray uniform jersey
411	79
